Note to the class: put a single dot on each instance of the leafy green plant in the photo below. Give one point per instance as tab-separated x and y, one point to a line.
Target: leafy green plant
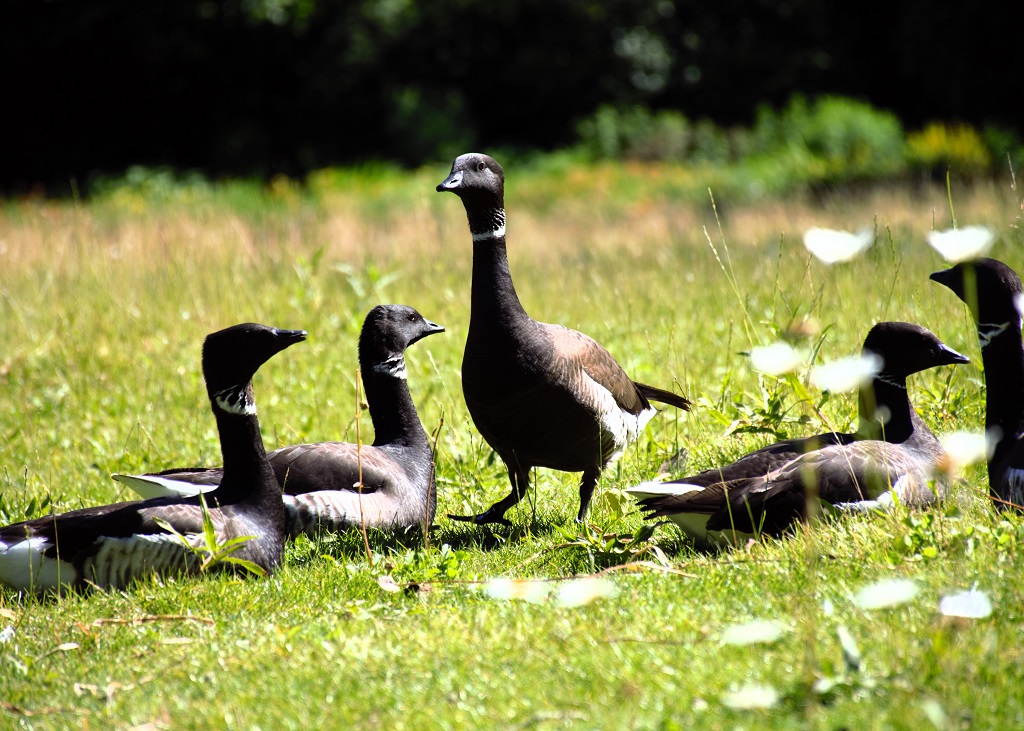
635	133
209	551
832	138
605	548
930	535
421	566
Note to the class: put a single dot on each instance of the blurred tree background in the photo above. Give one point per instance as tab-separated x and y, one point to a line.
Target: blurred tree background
262	87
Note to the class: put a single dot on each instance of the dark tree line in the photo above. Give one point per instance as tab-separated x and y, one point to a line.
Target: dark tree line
256	87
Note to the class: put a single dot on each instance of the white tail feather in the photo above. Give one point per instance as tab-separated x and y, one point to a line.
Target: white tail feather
151	486
661	489
23	566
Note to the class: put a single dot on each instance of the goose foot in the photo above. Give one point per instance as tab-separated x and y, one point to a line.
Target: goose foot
488	516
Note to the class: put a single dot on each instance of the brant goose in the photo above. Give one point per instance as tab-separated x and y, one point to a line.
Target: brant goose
541	395
110	546
336	485
992	291
766	490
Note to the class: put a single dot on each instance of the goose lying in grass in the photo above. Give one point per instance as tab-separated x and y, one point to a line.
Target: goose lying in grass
767	490
337	485
110	546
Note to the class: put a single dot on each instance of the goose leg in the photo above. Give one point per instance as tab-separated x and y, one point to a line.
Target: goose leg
520	479
587	485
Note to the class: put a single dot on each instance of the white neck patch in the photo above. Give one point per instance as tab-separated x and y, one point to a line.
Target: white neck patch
891	381
235	400
493	234
394	367
989	331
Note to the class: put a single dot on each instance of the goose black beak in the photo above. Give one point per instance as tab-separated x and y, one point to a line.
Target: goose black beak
432	328
944	277
287	338
953	357
450	183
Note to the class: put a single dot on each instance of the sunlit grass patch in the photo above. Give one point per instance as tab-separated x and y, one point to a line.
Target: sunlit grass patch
104	308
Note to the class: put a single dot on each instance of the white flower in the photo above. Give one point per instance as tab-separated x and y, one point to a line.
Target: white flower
750	697
530	591
776	359
886	593
584	591
847	374
971	604
756	631
967	448
961	244
834	246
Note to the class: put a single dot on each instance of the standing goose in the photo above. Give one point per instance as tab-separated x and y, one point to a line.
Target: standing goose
766	491
336	485
992	291
112	545
541	395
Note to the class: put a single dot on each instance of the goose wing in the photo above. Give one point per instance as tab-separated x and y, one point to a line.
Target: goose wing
335	466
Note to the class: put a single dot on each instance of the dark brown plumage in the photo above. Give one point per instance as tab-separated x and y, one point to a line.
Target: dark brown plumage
112	545
767	490
541	395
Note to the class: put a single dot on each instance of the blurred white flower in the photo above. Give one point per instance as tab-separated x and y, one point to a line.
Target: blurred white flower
967	448
750	697
961	244
584	591
776	359
832	246
851	653
846	374
886	593
7	634
753	632
529	591
971	604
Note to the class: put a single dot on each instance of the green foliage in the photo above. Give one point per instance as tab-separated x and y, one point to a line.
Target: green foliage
635	133
1006	148
423	566
931	535
771	409
834	139
604	548
826	141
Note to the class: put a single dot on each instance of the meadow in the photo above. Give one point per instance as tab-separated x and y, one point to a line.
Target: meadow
104	307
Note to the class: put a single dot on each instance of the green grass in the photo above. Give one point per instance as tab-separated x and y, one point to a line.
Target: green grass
104	306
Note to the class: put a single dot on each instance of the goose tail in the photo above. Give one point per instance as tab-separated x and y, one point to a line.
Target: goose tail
662	396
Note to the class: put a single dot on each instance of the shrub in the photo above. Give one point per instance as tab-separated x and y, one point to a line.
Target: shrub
635	133
1005	147
940	147
841	139
711	144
